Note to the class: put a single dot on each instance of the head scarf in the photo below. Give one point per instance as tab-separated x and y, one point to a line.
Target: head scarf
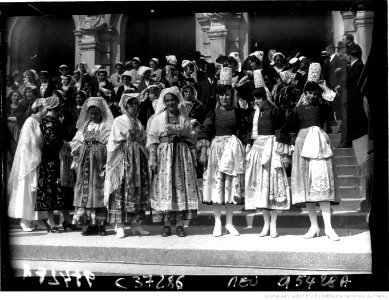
185	62
119	63
191	87
44	73
171	59
156	60
237	58
142	70
50	102
85	65
126	73
101	104
258	54
137	59
36	77
124	99
161	105
275	54
81	92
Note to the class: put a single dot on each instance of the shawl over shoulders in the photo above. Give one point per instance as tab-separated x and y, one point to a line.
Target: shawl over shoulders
120	132
159	128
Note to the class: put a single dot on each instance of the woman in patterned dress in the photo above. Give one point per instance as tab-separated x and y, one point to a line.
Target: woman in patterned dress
127	181
89	153
171	143
52	194
266	181
224	174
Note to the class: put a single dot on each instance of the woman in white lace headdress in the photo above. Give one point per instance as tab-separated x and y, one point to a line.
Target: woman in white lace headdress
171	142
89	153
23	179
127	180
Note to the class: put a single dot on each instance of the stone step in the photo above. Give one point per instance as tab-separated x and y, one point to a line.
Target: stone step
343	152
199	253
347	170
345	160
348	180
334	138
351	192
345	215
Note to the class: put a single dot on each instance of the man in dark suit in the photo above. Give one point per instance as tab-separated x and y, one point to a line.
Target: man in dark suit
47	86
207	88
348	40
331	74
354	118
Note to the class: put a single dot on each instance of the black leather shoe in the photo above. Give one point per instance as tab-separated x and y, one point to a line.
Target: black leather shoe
102	231
51	229
91	230
167	230
180	231
66	225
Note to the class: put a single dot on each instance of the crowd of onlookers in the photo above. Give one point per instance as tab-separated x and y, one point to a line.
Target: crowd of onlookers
233	103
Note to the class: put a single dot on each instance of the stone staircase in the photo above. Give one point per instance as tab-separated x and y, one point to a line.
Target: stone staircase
349	186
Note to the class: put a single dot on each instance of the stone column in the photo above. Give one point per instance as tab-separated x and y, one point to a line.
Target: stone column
364	30
348	21
337	27
92	40
237	36
217	33
202	40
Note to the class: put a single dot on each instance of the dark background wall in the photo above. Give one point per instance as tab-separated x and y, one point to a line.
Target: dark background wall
288	32
158	35
42	43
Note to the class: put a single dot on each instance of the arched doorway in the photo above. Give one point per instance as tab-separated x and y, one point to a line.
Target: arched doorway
160	34
41	43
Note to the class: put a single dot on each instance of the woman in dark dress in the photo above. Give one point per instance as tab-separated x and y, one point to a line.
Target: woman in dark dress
52	195
312	169
225	170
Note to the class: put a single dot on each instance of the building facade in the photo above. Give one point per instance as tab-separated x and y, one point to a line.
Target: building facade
108	38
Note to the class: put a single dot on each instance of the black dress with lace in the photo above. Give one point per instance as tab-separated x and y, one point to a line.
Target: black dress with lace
51	195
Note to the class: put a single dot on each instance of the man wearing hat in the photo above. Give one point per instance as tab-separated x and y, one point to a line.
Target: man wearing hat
115	77
354	121
208	88
47	87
